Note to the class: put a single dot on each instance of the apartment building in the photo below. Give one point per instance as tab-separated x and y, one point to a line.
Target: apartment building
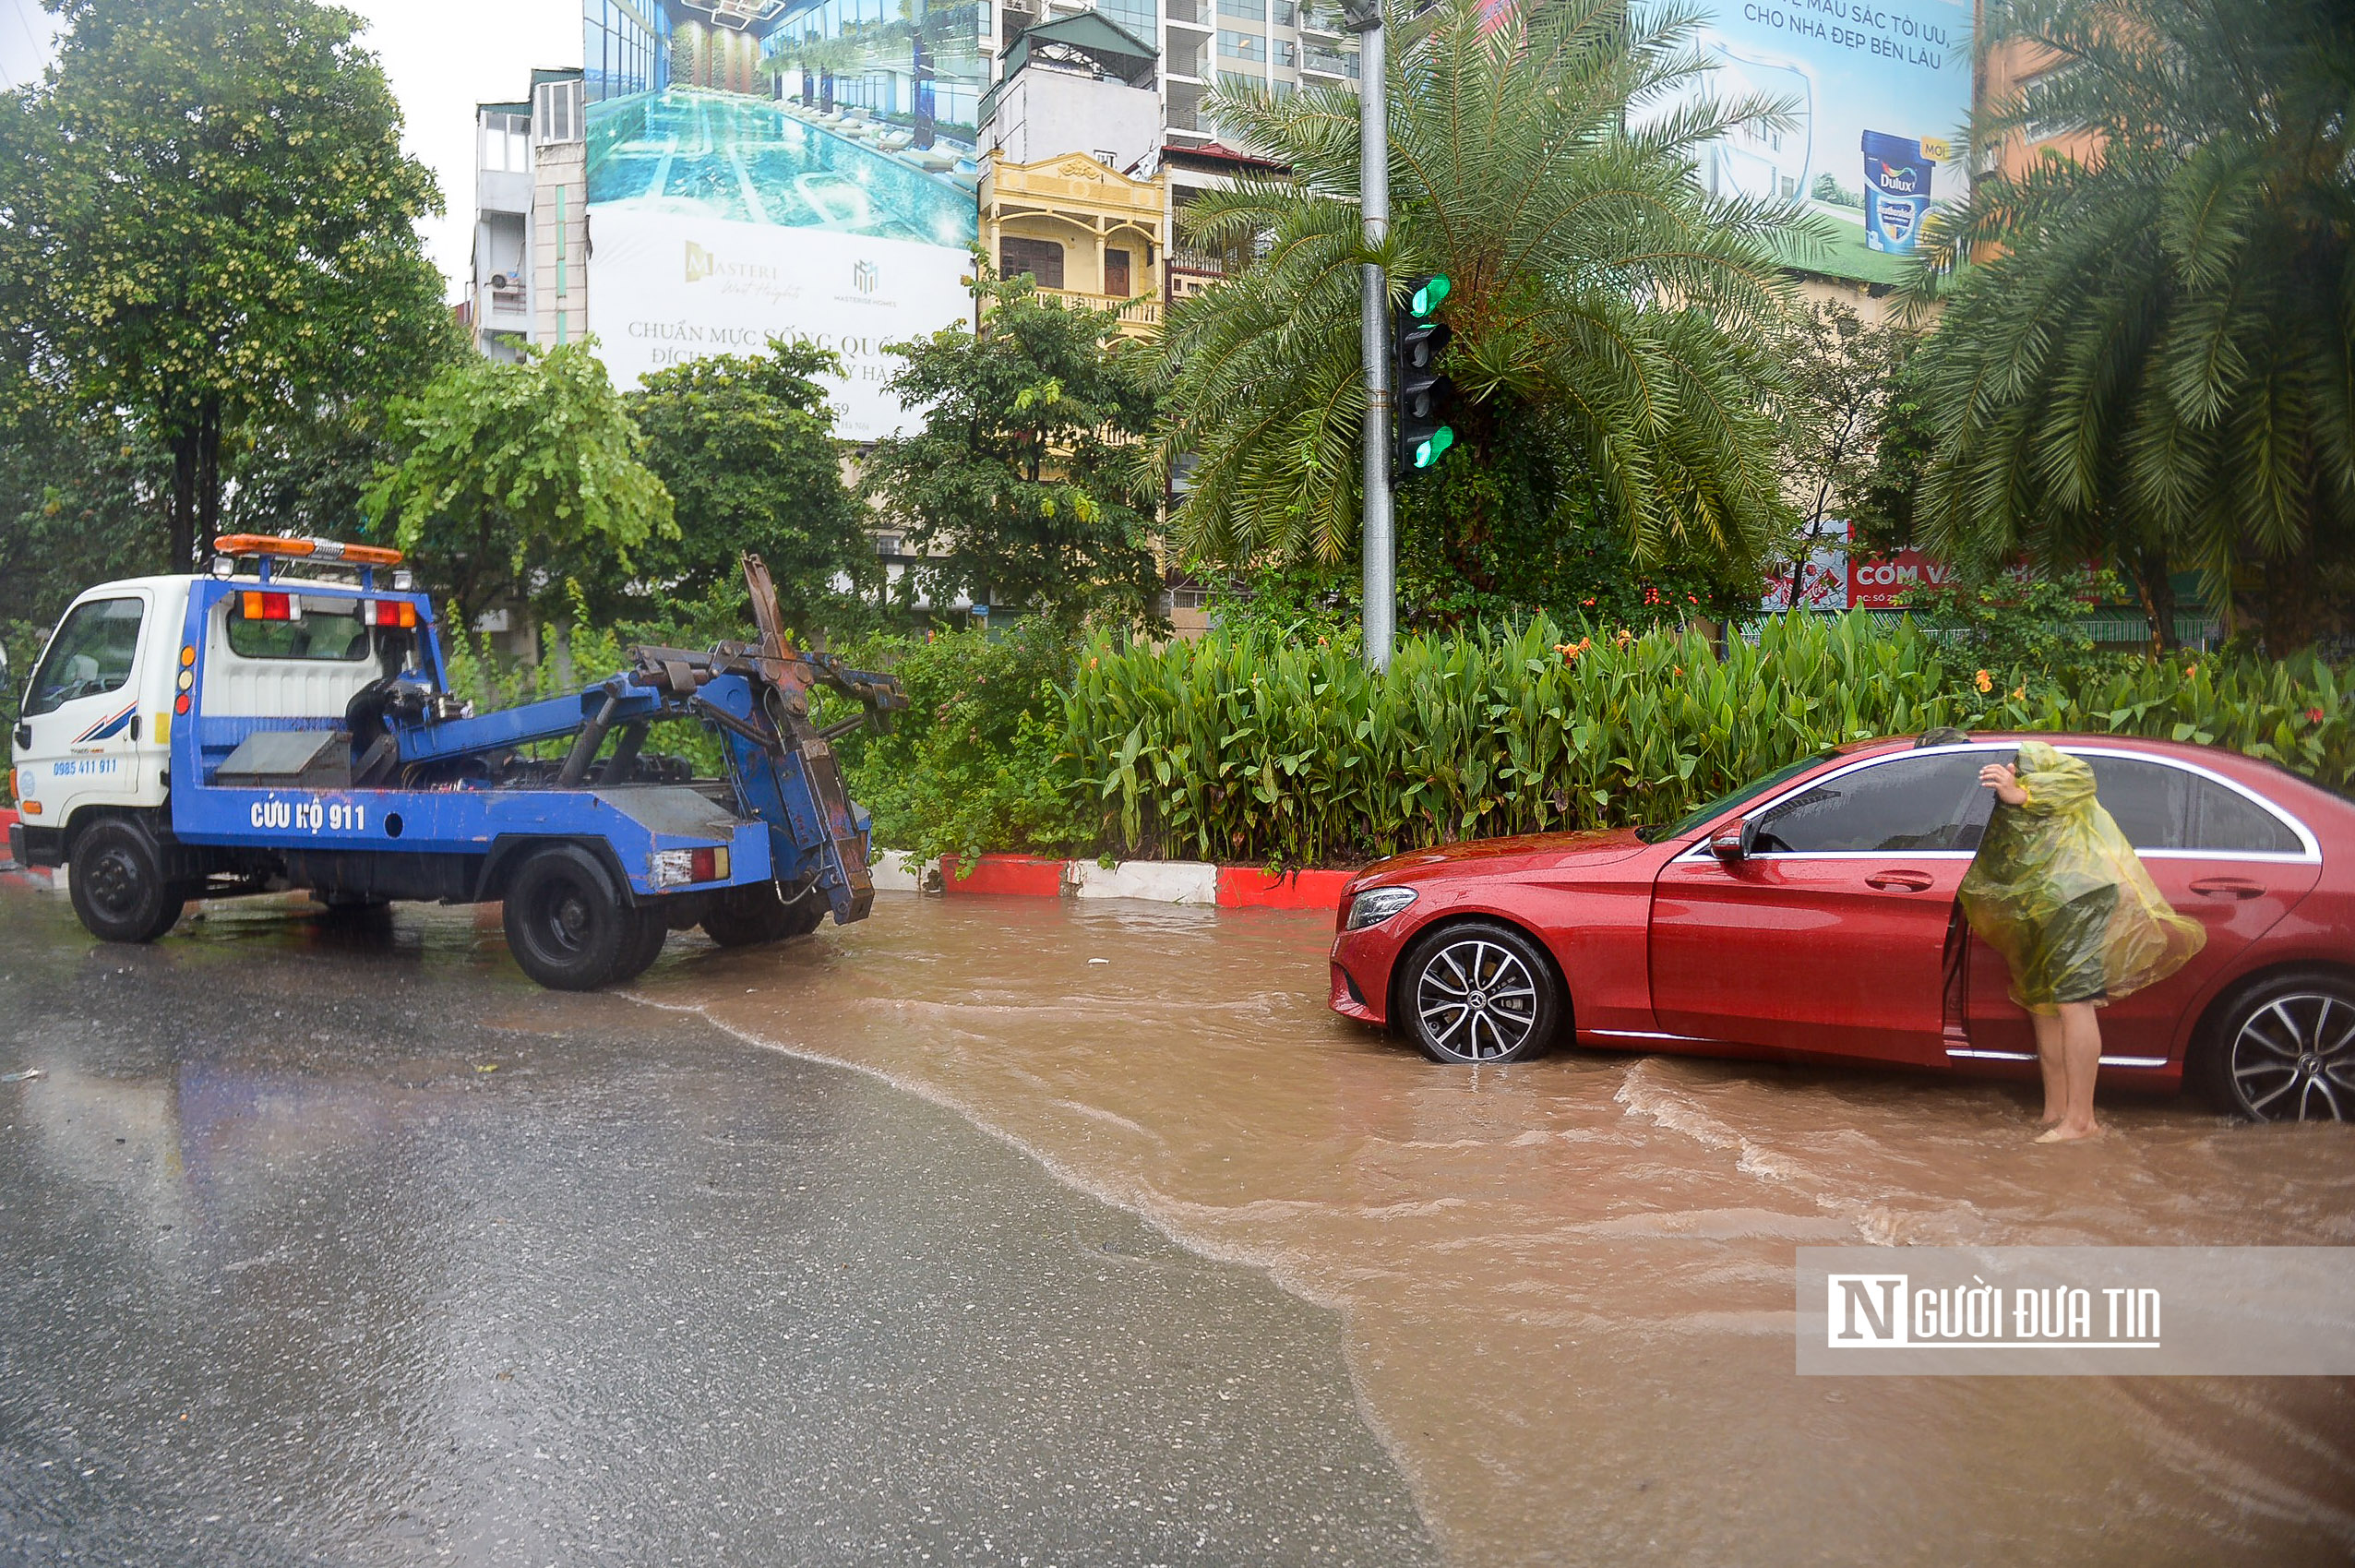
531	278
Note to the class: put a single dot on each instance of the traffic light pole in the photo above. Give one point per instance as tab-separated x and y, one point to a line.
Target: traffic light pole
1381	540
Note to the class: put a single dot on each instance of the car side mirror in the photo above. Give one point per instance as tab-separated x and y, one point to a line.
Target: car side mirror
1734	842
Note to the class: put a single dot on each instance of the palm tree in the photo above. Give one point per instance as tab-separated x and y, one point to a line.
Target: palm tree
2156	355
1541	158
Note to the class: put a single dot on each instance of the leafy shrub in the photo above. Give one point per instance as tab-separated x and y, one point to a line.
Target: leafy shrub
973	764
1241	749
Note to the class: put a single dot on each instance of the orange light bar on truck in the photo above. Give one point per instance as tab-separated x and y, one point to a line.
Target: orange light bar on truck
308	549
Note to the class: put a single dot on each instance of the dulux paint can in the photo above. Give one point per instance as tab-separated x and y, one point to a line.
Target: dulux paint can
1897	192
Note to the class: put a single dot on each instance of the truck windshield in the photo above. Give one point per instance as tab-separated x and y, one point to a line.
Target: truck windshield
92	653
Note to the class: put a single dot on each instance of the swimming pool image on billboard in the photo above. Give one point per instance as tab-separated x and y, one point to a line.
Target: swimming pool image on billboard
692	154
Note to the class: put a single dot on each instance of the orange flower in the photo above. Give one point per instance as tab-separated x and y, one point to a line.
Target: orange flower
1986	681
2022	694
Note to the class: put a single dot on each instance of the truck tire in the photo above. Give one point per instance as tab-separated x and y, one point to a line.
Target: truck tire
750	915
654	928
567	922
117	886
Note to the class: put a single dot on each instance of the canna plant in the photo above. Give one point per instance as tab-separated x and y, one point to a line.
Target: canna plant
1246	748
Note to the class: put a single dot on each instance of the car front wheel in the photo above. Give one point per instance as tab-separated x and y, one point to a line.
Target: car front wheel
1479	993
2284	1050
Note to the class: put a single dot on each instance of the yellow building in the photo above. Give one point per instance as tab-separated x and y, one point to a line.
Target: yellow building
1086	233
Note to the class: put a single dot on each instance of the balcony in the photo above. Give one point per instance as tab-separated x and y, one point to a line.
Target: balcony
1139	316
1319	62
1189	13
1325	19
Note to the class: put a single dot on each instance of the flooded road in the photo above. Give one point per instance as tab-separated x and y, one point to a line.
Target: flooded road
363	1250
1568	1285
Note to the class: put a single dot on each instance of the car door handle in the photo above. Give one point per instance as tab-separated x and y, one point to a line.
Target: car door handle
2228	887
1892	881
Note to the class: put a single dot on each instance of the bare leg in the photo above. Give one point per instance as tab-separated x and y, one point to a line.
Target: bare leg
2049	1059
2081	1060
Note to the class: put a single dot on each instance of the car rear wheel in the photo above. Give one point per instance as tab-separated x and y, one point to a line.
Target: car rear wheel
117	886
749	915
2284	1050
654	928
566	920
1479	993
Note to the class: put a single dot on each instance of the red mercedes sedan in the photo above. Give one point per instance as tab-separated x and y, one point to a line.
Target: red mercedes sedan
1812	917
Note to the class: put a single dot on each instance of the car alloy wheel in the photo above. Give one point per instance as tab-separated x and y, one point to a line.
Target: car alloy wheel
1480	994
2293	1058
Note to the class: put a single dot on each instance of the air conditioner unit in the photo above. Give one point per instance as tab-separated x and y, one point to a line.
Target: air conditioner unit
498	280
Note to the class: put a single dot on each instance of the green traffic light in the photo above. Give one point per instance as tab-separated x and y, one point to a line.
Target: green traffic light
1437	443
1427	298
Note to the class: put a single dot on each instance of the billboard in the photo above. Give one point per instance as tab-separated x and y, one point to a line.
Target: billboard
1837	576
753	173
1876	90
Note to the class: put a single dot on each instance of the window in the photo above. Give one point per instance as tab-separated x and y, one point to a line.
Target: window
1244	10
2160	807
1043	259
1288	52
1115	274
507	144
555	111
91	655
1242	45
1933	802
320	634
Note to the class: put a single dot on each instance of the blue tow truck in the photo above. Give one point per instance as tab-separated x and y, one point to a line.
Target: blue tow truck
286	723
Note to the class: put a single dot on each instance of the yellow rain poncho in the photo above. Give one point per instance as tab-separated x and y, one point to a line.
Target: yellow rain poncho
2058	890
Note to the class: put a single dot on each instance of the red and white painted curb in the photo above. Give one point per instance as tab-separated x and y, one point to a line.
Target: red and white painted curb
1160	882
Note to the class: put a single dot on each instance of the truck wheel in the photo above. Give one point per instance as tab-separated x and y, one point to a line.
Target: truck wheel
753	915
566	921
654	928
117	887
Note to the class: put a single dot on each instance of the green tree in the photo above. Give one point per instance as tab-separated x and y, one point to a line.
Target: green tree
517	477
2154	356
745	445
207	222
1603	305
1842	373
1015	488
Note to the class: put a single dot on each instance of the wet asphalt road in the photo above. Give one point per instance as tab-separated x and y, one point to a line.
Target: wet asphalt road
364	1250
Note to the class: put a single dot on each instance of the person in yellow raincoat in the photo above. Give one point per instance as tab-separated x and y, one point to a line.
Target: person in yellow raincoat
2058	890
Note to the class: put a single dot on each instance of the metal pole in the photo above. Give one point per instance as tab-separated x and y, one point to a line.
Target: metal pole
1373	182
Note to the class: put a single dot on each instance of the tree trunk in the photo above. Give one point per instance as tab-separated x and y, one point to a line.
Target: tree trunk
182	525
2157	589
2290	602
207	480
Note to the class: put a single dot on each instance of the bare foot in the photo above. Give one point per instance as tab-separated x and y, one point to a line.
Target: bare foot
2051	1119
2064	1134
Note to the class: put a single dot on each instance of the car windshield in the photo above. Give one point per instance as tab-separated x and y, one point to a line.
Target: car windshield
1725	802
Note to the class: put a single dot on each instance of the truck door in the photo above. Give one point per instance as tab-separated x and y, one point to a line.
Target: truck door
81	720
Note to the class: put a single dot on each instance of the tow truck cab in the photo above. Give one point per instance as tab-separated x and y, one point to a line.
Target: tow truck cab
257	729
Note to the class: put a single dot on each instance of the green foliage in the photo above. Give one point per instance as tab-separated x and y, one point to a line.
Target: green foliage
745	445
1843	375
1240	749
1013	490
2013	625
78	504
1603	304
517	477
207	224
2156	356
972	765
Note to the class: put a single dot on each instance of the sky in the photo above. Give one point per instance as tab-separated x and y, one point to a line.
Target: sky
442	56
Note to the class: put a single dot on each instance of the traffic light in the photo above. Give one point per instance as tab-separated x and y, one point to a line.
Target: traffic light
1422	433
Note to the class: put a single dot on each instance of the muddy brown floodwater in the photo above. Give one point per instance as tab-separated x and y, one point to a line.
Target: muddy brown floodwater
1568	1285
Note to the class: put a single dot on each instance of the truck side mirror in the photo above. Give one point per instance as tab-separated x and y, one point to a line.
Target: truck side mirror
1734	842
